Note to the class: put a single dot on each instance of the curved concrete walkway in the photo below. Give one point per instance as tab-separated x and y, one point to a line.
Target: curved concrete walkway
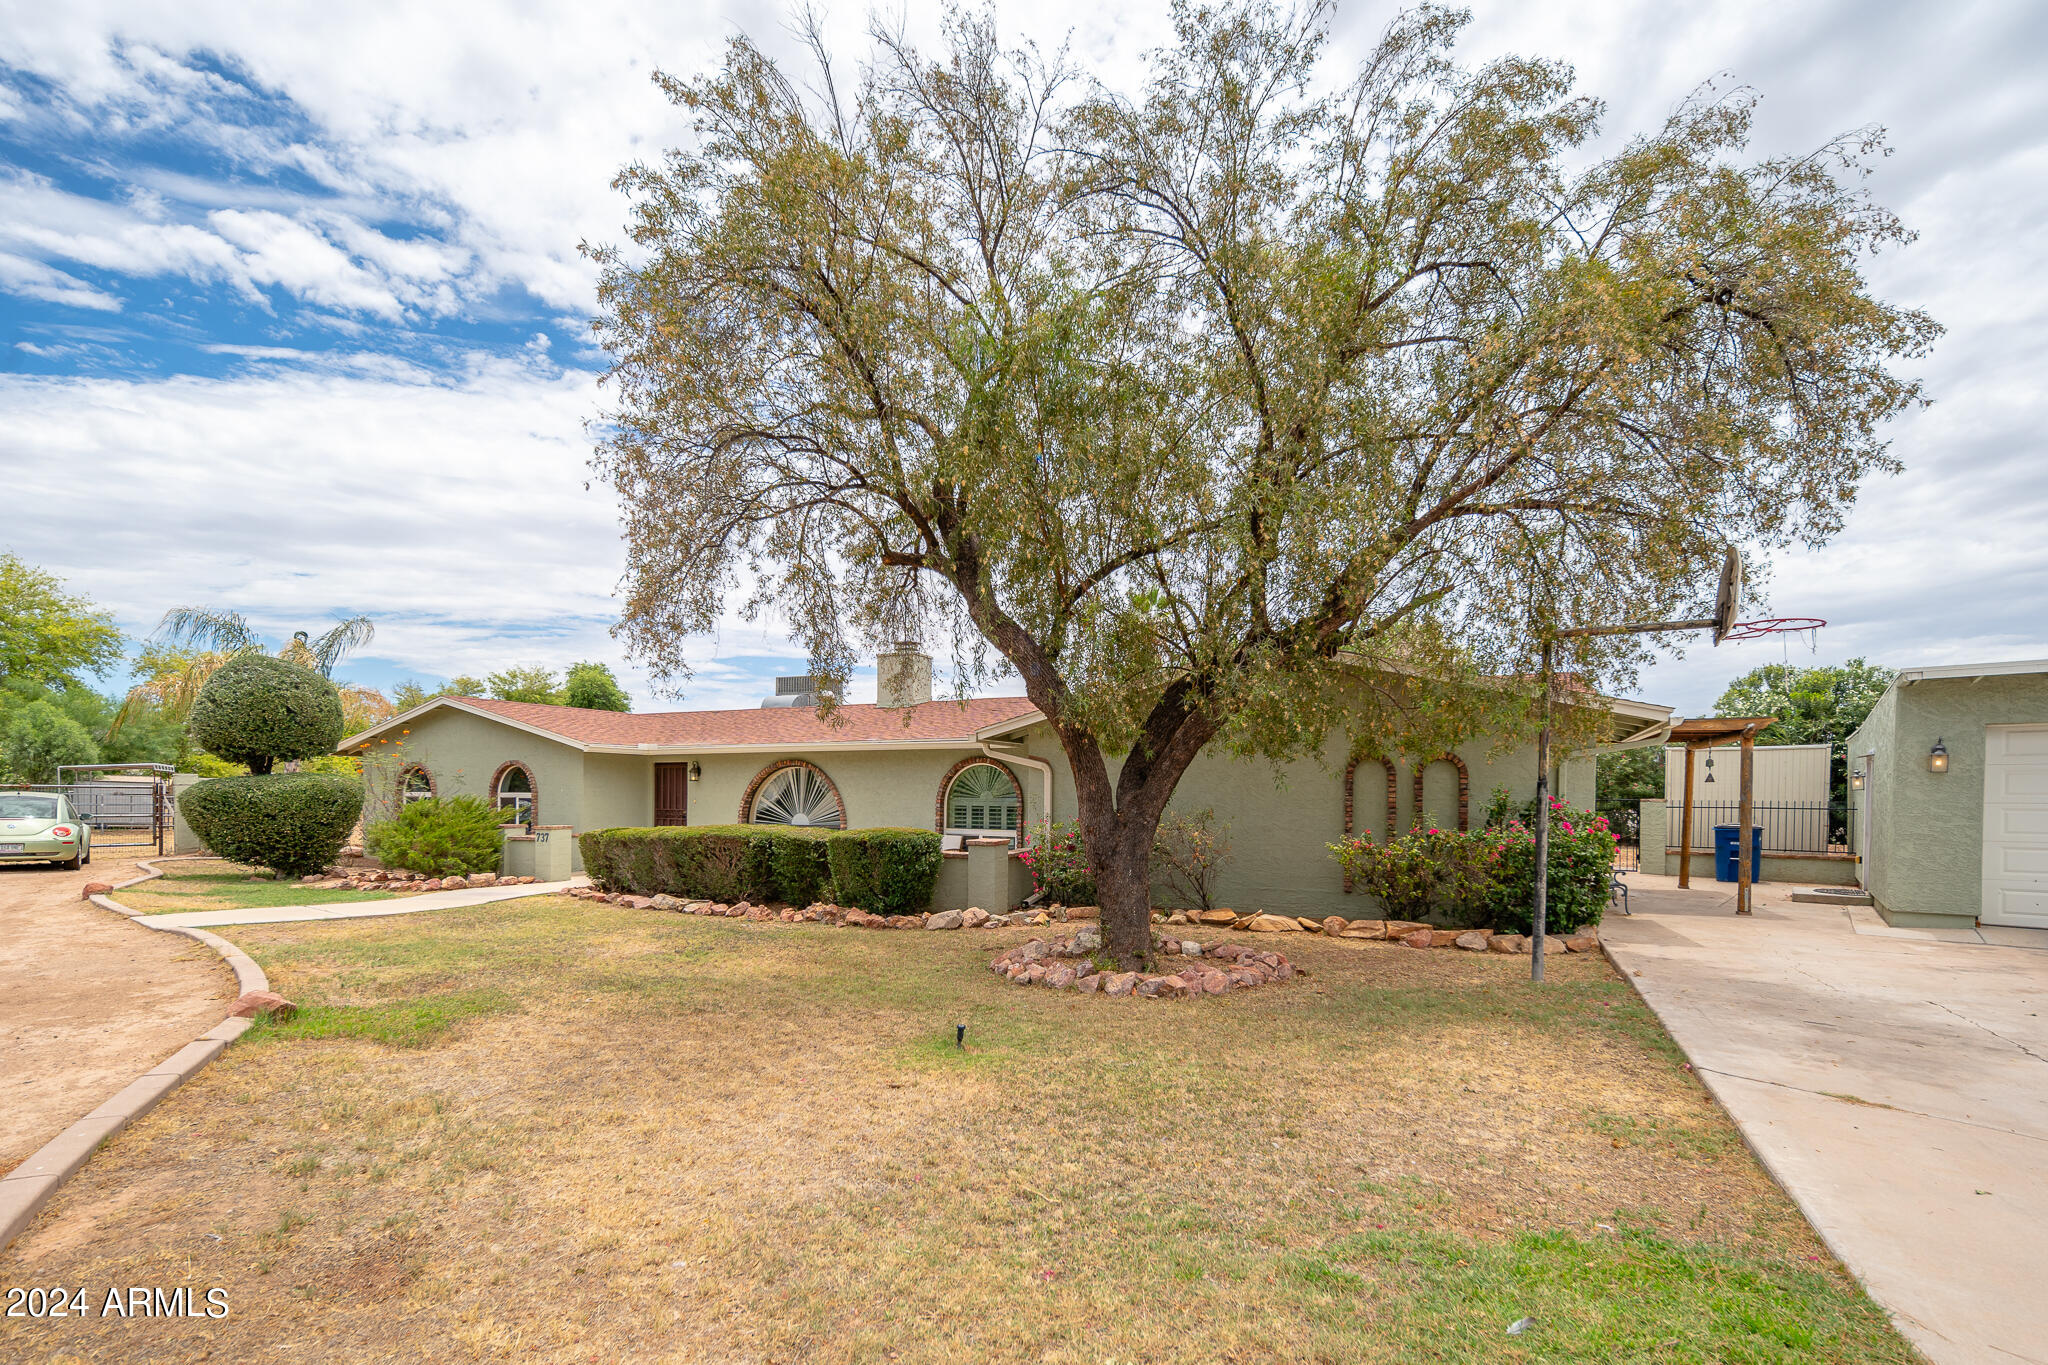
1895	1084
397	905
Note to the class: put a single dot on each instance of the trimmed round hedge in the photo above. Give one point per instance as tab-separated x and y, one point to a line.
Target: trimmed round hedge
260	711
292	823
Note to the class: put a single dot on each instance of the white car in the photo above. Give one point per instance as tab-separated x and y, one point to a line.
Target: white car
42	827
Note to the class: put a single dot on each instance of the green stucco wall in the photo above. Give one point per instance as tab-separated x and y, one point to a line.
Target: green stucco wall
1281	819
463	751
1925	863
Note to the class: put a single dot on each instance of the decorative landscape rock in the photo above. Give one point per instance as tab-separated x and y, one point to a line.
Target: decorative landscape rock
945	919
91	889
262	1004
1065	963
1472	941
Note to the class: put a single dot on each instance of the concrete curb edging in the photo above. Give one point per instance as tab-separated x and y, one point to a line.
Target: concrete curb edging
1706	1078
25	1189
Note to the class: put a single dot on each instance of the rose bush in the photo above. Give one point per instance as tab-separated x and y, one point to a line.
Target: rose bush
1059	864
1488	877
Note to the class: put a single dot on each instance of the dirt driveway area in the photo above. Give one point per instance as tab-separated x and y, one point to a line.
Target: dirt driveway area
88	1001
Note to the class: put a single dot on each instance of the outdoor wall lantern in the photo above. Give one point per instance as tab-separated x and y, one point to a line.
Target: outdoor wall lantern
1937	757
1856	780
696	770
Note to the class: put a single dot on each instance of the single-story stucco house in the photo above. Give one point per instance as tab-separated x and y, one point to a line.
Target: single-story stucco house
1948	779
988	767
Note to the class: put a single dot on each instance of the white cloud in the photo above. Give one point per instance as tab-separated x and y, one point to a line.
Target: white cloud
498	132
33	279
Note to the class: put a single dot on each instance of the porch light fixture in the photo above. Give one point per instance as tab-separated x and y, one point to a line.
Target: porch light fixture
1856	780
696	770
1937	757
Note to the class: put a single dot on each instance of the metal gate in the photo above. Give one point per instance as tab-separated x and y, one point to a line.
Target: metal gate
124	811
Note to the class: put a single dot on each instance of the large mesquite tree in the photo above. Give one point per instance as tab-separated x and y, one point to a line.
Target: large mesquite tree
1182	403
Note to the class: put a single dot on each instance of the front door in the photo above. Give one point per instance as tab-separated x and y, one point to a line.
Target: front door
2016	826
671	793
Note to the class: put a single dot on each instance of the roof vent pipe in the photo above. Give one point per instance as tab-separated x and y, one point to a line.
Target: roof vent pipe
903	675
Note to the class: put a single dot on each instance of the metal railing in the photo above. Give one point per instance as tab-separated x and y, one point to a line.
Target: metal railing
1625	820
1788	826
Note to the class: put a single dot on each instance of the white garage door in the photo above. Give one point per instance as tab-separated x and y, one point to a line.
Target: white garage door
2016	825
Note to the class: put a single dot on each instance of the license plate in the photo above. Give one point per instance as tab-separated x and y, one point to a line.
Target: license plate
12	848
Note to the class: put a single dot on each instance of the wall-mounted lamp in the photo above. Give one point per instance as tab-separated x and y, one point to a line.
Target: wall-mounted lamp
1937	758
1856	780
696	770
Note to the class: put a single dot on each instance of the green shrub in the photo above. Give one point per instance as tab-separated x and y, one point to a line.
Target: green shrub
292	823
884	871
1581	873
802	870
259	710
441	838
1433	874
1488	877
1058	860
703	862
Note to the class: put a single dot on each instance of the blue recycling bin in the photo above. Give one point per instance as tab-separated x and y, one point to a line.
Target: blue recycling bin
1725	842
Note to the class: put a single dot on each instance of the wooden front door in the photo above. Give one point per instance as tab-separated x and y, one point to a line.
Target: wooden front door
671	793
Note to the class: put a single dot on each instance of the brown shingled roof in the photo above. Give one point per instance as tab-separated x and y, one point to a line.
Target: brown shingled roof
793	726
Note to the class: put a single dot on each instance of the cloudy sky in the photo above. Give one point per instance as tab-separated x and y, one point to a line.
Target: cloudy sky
292	317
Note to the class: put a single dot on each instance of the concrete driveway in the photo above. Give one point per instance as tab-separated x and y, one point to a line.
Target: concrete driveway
1895	1082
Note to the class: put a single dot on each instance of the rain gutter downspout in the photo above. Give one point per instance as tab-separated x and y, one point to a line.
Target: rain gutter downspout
1044	769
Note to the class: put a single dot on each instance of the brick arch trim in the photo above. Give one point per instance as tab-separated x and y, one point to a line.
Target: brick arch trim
1464	790
433	787
1393	793
972	761
491	792
747	800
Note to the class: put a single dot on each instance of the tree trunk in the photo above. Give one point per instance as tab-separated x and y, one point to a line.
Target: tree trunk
1123	885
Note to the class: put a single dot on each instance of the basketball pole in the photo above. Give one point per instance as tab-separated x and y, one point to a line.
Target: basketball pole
1542	815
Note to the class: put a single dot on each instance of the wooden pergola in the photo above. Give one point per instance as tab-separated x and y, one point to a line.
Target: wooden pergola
1707	733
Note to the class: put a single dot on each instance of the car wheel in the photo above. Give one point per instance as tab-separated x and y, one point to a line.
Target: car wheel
75	863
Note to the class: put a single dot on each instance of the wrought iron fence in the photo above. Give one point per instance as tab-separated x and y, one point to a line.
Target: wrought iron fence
1625	820
1788	826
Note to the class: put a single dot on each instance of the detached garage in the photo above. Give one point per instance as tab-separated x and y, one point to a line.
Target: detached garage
1948	787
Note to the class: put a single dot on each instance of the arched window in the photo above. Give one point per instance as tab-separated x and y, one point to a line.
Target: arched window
514	791
416	784
795	793
982	799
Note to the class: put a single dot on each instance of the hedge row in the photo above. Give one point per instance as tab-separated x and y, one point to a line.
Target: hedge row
882	871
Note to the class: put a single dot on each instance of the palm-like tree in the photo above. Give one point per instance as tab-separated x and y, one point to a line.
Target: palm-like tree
229	632
190	643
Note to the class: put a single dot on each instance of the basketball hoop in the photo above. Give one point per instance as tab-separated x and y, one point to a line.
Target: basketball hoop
1773	625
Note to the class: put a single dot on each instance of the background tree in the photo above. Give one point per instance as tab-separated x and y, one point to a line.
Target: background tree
592	685
526	682
1822	705
46	634
1191	405
38	738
